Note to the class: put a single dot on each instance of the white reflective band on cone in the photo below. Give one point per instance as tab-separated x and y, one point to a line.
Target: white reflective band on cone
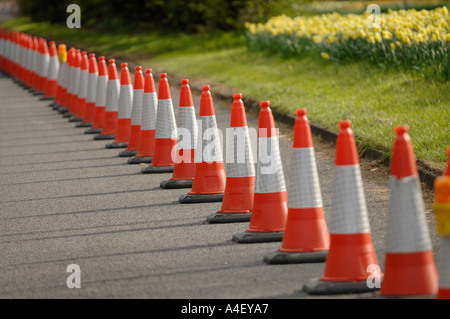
407	230
125	100
83	85
187	121
112	96
53	69
92	87
76	81
349	210
304	187
208	142
136	107
165	125
443	266
102	85
45	62
269	169
149	111
239	156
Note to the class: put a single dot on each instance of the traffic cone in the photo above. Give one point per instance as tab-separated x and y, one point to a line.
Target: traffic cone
409	262
82	88
34	63
351	251
100	98
72	99
44	61
165	133
136	111
447	171
209	178
52	76
111	104
67	80
442	210
146	147
306	238
237	200
89	112
183	172
124	115
62	59
269	210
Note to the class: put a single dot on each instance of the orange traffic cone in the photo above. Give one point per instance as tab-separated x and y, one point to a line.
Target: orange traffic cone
442	210
62	59
67	80
306	238
124	115
146	147
92	77
240	169
136	111
111	104
183	172
52	75
100	98
409	267
209	178
165	133
44	61
82	87
72	99
269	210
351	251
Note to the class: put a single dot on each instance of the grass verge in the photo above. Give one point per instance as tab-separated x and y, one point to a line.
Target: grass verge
374	99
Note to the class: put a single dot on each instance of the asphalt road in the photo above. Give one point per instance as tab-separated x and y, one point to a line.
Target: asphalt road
65	199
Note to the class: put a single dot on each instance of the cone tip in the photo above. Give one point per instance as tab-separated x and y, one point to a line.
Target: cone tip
448	151
148	71
83	52
237	96
402	129
138	68
205	87
112	61
101	58
345	124
91	55
301	112
265	104
163	75
185	81
124	65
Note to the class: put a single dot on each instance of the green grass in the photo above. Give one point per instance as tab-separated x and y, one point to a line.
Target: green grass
374	99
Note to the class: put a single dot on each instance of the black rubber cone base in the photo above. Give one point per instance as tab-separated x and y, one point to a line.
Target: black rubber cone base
281	257
101	137
176	183
127	153
56	107
93	131
67	114
140	160
46	98
52	104
75	119
321	287
38	93
117	145
84	124
218	218
156	169
62	109
200	198
257	237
